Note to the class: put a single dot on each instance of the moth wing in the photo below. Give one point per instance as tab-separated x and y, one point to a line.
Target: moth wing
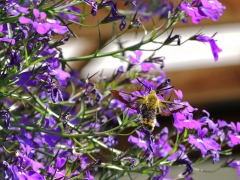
164	84
163	109
131	100
168	107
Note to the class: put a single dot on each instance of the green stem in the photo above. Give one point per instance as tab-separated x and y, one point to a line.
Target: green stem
83	148
130	48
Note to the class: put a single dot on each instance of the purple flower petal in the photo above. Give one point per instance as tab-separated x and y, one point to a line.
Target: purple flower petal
24	20
179	94
59	29
43	15
36	13
215	49
61	76
147	66
140	143
42	28
60	162
5	39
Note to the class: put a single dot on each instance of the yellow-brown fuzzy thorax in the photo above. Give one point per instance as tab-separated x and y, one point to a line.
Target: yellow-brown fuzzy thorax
151	100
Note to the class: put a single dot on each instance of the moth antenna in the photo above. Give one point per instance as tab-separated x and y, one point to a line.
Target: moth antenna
169	97
92	75
144	85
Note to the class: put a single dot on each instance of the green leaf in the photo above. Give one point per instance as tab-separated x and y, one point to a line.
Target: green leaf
42	58
10	34
10	19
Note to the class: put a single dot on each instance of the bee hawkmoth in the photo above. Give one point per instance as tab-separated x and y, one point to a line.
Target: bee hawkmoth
150	105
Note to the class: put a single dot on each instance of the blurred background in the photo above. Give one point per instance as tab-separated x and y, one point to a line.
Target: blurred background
206	84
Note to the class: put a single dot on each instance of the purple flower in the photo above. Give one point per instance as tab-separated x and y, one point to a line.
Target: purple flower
211	9
70	16
206	120
140	141
211	41
14	58
145	66
61	76
114	104
58	174
214	47
113	16
98	95
25	80
113	5
162	148
203	143
43	28
88	176
214	154
145	141
84	159
160	8
149	85
6	170
56	27
191	11
180	157
189	108
235	135
40	27
119	72
9	40
110	141
188	163
181	122
179	94
51	87
235	164
165	170
133	2
25	162
94	6
21	174
188	177
199	9
7	118
148	157
136	22
222	124
123	23
60	162
15	9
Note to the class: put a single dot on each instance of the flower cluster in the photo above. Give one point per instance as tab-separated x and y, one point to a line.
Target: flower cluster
54	124
200	9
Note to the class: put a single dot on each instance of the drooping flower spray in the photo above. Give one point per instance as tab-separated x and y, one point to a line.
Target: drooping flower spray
54	124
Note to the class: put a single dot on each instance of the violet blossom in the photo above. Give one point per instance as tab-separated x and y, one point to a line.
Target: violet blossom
145	66
234	135
235	164
200	9
204	144
40	27
215	49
